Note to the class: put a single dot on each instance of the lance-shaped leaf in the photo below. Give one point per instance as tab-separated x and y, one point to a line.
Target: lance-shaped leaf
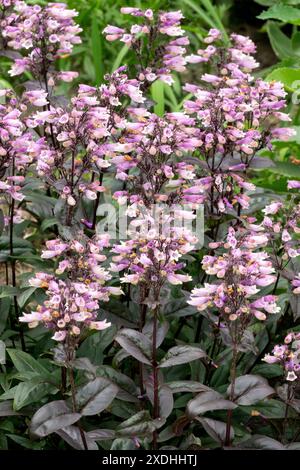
95	396
181	355
52	417
127	389
166	401
208	401
24	362
179	386
2	352
136	344
250	389
72	435
162	330
101	434
261	442
32	391
83	363
141	424
6	409
215	429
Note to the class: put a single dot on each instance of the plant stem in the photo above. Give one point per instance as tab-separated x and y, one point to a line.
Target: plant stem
232	380
63	380
73	393
143	311
155	376
276	283
286	414
13	262
97	203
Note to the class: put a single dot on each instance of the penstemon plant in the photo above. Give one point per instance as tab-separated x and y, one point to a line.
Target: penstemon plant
122	322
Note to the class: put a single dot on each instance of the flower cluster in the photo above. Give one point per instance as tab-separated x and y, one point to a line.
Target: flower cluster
164	56
79	136
236	114
288	355
147	159
281	222
242	271
152	254
227	189
43	34
72	303
18	147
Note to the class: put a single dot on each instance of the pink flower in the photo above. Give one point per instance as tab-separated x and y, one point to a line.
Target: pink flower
292	184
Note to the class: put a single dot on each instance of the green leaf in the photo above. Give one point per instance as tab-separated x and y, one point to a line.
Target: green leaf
249	389
5	304
94	345
157	93
97	51
31	392
136	344
178	308
288	76
281	44
208	401
26	443
285	13
268	370
24	362
141	424
120	57
181	355
50	222
9	394
96	396
273	409
296	42
268	3
286	169
25	296
200	13
8	291
51	418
